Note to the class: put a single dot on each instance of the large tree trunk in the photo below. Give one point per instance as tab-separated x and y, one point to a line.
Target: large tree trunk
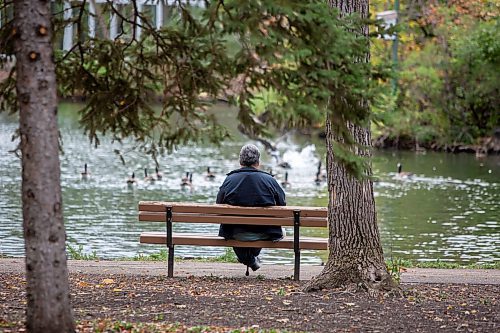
48	307
355	252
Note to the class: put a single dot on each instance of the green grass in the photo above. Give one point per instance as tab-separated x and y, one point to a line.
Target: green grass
78	254
393	264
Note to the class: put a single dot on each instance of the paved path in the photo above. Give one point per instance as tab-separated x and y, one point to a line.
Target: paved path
187	268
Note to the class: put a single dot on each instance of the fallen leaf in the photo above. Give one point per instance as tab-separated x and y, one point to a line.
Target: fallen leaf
83	284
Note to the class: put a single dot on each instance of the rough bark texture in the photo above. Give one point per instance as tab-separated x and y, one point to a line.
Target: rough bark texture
355	252
48	307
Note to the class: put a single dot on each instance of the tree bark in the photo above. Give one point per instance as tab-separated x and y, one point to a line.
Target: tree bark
355	252
48	301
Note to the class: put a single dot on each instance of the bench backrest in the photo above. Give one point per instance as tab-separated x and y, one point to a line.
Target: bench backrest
155	211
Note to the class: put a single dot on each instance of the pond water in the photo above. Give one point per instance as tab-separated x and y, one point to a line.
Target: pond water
448	210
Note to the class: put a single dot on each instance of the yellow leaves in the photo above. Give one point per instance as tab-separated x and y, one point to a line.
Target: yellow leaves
83	284
106	283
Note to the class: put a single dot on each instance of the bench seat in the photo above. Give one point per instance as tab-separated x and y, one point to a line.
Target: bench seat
306	243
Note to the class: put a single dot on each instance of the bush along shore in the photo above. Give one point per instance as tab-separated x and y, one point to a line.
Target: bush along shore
483	146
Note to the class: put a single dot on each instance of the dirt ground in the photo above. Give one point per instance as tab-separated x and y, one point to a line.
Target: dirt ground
232	303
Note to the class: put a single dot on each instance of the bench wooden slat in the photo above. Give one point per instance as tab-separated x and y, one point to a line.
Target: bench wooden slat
206	218
306	243
277	211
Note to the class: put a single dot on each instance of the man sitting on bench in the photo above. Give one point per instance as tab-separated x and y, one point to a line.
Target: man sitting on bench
251	187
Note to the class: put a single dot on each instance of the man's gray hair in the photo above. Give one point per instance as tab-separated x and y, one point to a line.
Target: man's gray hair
249	155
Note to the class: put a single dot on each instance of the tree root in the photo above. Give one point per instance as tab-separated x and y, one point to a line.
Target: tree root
369	279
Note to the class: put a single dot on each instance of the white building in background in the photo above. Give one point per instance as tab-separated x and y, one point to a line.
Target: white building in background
96	17
106	24
390	18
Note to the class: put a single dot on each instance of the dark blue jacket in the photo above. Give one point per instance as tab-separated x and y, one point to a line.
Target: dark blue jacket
250	187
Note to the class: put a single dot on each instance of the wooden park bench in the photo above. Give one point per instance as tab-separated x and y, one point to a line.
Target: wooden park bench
177	212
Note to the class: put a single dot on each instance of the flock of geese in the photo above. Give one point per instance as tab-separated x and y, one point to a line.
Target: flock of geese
187	179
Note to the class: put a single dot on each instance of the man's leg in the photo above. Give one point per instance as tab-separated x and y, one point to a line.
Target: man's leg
248	256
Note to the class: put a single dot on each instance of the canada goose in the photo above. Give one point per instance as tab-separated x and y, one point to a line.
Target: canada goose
85	172
159	176
210	175
285	183
131	180
284	165
148	178
320	176
280	163
318	180
271	172
187	180
403	174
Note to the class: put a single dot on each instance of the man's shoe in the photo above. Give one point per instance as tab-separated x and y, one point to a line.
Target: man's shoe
255	266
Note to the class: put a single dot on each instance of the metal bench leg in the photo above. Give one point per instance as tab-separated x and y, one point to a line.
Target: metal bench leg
296	271
296	244
170	245
171	261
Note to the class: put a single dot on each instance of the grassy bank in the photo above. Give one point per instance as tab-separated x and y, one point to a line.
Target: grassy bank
394	264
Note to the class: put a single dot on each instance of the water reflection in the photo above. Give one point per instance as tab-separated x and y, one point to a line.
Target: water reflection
448	209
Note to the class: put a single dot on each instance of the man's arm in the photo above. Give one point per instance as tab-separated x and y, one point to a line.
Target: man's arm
221	195
280	195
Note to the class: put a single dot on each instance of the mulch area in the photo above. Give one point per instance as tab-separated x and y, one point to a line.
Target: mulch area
253	303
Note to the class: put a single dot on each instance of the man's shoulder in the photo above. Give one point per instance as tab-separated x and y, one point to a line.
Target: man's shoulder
249	171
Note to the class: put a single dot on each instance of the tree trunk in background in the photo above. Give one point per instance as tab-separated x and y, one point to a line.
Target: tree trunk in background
48	303
355	252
